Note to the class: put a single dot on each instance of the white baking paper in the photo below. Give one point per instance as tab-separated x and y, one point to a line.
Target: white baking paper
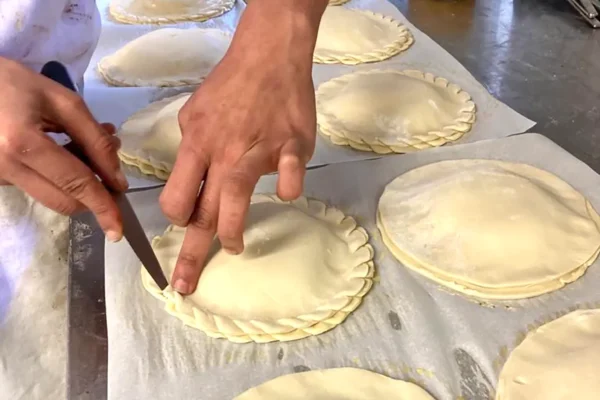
407	327
115	104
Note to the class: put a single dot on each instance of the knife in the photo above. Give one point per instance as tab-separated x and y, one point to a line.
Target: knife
132	228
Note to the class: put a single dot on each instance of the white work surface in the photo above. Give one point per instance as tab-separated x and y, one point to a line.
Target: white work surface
115	104
407	327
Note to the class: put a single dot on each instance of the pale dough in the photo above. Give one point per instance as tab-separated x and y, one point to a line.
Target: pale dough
393	111
167	11
335	384
166	57
348	36
558	361
331	2
151	137
305	267
490	229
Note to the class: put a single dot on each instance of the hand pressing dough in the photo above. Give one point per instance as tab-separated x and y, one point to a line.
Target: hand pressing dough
150	138
305	267
353	37
335	384
557	361
489	229
166	57
167	11
393	111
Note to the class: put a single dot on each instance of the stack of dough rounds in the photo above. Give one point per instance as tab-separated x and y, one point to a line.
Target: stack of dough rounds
166	57
167	11
393	111
304	268
335	384
150	138
557	361
348	36
489	229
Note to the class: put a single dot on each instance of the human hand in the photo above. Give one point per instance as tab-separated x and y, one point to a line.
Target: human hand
254	114
32	105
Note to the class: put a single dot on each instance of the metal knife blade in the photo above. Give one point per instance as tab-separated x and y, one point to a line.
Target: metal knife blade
132	229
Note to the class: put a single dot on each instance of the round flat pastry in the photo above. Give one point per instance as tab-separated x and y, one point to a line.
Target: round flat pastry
166	57
558	361
150	138
489	229
304	268
335	384
167	11
389	111
348	36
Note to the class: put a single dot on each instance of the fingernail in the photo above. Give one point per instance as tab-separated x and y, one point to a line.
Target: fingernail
122	180
113	236
232	251
182	286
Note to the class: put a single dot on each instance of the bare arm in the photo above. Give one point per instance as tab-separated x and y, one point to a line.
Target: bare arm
254	114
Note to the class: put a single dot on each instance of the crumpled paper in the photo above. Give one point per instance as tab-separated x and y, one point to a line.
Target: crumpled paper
33	298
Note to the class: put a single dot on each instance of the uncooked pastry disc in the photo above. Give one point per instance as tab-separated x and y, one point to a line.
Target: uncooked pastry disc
166	57
490	229
150	138
393	111
558	361
348	36
335	384
305	267
167	11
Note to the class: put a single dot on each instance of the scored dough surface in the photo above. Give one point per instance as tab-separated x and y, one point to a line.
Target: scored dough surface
304	268
166	57
348	36
489	229
167	11
393	111
150	138
335	384
557	361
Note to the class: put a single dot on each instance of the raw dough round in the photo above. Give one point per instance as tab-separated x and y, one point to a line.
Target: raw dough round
166	57
490	229
305	267
557	361
393	111
150	138
167	11
335	384
348	36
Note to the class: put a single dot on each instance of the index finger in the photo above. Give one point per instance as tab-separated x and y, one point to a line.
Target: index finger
71	113
199	236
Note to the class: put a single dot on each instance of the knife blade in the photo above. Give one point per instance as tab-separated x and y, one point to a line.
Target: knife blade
132	228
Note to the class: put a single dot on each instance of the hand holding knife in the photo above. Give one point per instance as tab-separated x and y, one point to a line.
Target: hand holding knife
132	229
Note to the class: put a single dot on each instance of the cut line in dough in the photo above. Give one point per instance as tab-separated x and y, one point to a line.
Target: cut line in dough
335	384
151	136
557	361
351	36
305	267
167	11
489	229
387	111
166	57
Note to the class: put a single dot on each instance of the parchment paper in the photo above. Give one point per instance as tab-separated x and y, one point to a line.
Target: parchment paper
113	104
407	327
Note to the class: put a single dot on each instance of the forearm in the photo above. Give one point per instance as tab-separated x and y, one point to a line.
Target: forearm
288	27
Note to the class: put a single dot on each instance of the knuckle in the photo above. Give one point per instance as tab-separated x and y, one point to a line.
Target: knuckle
236	184
203	220
103	144
66	207
11	144
172	211
76	186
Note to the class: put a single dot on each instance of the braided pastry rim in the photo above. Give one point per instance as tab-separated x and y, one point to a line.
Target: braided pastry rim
131	151
323	319
122	15
330	127
402	41
106	67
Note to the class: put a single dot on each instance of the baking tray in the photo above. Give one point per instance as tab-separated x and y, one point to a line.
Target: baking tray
408	327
